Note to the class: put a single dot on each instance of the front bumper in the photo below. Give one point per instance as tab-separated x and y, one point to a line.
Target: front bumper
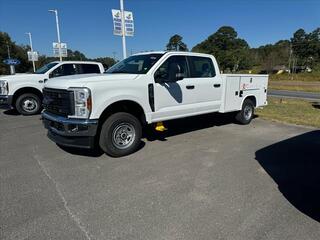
6	101
70	132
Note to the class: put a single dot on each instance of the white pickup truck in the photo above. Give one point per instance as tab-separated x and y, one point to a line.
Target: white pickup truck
146	88
24	91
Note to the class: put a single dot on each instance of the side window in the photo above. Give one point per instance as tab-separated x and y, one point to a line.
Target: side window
201	67
167	72
90	68
64	70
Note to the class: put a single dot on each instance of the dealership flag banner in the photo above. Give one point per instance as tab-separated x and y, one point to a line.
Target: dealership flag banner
64	50
117	23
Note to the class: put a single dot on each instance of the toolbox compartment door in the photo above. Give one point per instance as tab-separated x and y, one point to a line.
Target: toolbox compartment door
232	99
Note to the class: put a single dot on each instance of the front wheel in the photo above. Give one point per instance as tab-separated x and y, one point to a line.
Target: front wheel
247	112
28	104
120	134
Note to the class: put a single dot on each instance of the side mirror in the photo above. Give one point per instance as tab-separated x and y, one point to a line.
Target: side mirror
179	76
158	77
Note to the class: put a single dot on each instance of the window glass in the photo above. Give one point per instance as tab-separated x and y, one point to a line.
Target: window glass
45	68
201	67
137	64
90	68
168	70
64	70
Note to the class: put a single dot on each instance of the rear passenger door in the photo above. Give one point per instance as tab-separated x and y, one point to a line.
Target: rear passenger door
88	68
207	83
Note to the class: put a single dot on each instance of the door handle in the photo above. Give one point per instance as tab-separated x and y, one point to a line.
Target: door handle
216	85
190	86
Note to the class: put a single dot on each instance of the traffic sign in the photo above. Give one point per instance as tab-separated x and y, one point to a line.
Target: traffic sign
11	61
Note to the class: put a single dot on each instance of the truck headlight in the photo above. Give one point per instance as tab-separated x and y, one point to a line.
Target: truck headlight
82	102
4	87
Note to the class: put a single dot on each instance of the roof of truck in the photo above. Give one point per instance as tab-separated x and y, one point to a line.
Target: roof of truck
76	62
174	52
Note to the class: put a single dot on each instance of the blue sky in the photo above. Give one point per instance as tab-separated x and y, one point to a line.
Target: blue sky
86	25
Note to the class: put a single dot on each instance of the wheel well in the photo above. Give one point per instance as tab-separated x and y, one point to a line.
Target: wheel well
253	99
127	106
26	90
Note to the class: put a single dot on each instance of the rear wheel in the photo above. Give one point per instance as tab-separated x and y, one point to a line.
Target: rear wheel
120	134
247	112
28	104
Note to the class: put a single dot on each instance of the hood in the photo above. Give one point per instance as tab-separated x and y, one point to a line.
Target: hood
82	80
22	77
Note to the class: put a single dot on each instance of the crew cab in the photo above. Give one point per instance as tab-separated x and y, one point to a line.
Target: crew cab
23	92
146	88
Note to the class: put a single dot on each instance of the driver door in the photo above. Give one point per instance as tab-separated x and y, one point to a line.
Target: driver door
172	97
64	70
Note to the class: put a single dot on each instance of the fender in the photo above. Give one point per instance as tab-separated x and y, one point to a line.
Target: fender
98	110
247	96
18	86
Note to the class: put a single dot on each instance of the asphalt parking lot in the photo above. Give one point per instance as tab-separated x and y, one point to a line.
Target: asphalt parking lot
206	178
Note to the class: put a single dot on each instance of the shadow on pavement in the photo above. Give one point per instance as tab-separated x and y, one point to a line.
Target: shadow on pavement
185	125
11	112
175	127
294	164
96	152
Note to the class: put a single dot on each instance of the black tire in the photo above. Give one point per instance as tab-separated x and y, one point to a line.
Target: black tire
116	139
247	112
28	104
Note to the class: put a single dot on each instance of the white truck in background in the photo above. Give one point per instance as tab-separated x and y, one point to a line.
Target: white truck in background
23	92
110	109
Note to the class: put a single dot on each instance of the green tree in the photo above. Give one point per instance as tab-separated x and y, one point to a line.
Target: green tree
107	62
16	51
176	44
271	55
231	52
306	46
75	56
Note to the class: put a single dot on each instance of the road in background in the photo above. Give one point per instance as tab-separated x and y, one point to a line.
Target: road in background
207	178
294	94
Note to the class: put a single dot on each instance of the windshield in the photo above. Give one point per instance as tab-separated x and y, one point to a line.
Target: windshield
138	64
45	68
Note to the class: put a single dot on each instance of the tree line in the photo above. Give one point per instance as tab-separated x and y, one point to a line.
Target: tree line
234	54
20	52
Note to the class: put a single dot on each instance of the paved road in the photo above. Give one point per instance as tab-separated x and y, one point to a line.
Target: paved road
207	178
295	94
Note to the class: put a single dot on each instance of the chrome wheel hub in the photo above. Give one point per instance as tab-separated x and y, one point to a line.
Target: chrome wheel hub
247	112
123	135
29	104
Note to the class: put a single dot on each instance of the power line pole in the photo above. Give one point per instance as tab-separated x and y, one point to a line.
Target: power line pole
290	56
30	40
8	48
12	68
55	11
124	48
114	55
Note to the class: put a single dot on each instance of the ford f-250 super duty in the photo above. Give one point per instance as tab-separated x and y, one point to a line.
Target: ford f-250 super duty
143	89
24	91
